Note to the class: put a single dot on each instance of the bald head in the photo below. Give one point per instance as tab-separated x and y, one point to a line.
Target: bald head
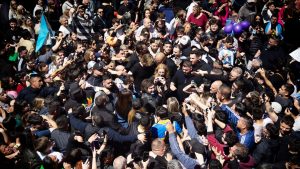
119	163
147	23
160	58
214	87
158	147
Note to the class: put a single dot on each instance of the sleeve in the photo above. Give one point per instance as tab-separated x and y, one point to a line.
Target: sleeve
117	137
191	128
177	127
232	118
77	124
214	142
227	128
248	140
41	133
186	161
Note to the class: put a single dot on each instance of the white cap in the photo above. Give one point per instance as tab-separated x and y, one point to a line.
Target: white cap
91	64
276	107
249	1
184	40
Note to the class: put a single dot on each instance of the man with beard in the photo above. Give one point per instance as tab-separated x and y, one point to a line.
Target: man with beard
197	62
273	27
182	78
166	59
14	32
285	130
97	72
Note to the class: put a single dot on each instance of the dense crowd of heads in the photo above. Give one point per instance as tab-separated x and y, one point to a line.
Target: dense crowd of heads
150	84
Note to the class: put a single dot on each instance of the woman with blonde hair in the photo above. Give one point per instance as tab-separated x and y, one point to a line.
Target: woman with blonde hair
89	55
173	107
161	78
12	9
38	104
28	25
162	70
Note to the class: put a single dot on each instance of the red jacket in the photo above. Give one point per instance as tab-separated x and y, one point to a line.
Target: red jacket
215	143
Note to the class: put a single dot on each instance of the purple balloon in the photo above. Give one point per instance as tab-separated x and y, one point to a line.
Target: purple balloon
237	29
245	24
228	29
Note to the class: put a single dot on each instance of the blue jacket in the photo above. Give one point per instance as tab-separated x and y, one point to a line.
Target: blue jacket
185	160
159	129
245	139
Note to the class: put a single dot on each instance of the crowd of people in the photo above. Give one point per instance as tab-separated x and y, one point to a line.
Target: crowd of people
150	84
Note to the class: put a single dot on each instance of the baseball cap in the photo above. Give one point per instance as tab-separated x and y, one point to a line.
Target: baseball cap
249	1
91	64
184	40
276	107
99	65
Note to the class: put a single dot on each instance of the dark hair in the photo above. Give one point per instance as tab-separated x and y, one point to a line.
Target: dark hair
146	83
78	111
288	120
221	116
48	163
187	63
62	122
101	100
53	108
34	119
161	112
106	77
273	131
9	123
97	119
231	138
187	146
240	107
289	88
248	121
73	157
196	52
14	20
145	121
141	48
41	144
200	127
225	91
229	39
241	152
257	113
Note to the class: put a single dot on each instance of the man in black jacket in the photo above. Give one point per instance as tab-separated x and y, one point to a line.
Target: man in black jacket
35	89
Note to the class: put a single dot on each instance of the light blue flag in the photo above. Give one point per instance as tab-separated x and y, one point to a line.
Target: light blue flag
45	33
